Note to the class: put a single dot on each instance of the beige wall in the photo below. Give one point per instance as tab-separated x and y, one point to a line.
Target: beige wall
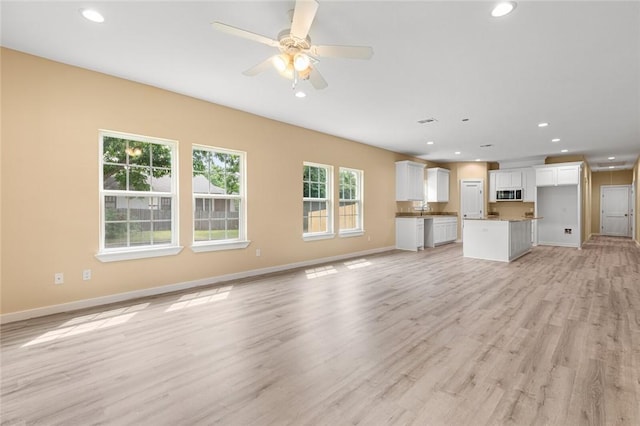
617	177
51	114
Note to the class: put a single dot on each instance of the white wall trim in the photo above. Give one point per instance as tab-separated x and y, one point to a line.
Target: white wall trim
153	291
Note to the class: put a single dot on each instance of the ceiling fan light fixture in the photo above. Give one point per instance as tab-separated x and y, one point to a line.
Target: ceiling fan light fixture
301	62
503	8
281	62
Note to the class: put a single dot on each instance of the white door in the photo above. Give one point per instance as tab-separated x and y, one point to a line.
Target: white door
471	198
614	210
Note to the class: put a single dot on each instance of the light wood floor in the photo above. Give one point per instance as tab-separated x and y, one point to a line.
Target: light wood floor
426	338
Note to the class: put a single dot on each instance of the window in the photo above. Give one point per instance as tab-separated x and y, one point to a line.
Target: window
218	199
350	211
138	194
317	220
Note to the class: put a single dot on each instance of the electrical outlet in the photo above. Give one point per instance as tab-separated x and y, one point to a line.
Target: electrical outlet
258	252
86	274
369	238
58	278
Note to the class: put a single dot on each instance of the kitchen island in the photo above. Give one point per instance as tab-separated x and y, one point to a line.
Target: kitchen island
503	240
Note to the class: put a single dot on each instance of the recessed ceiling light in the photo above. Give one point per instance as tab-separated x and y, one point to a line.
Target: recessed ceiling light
543	124
611	158
503	9
611	167
92	15
430	143
477	159
564	150
457	153
555	140
300	94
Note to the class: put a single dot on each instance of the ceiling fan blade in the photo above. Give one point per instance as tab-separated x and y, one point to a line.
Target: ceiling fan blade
244	34
352	52
303	16
258	68
317	80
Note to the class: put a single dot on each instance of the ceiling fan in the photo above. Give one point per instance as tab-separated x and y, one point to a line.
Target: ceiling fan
298	58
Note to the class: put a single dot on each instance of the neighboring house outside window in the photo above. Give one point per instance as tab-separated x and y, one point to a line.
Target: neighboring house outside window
317	221
219	205
350	209
138	194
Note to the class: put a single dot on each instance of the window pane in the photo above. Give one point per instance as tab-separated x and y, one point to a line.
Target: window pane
140	207
138	152
115	235
138	178
160	156
115	208
114	177
113	150
140	233
161	232
160	179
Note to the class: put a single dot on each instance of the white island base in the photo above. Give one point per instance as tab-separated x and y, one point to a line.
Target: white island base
503	240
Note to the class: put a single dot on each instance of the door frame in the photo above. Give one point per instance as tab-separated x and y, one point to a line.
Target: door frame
630	212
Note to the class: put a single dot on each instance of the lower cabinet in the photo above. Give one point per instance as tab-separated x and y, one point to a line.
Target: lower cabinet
410	233
416	233
445	230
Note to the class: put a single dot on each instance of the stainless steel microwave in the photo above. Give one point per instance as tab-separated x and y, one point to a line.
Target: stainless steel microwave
509	195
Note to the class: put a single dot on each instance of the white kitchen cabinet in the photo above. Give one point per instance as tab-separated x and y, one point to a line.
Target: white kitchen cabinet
445	230
508	179
558	174
409	181
568	175
437	185
492	186
410	233
529	181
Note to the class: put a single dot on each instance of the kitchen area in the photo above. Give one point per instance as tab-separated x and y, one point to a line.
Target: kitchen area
523	205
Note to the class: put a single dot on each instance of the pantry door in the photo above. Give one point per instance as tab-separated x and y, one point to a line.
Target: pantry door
471	199
615	201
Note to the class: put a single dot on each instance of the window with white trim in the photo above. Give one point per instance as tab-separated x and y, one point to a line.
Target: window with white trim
317	220
219	207
138	193
350	208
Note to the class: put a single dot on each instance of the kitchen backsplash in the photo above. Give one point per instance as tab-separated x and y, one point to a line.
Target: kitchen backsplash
511	208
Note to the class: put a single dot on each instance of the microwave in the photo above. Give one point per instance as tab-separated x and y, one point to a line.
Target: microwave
509	195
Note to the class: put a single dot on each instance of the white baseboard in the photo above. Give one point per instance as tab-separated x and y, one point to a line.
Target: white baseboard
153	291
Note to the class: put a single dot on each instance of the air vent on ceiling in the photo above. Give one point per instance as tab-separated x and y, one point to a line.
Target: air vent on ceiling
487	145
427	120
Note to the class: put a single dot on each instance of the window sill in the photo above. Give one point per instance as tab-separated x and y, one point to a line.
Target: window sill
116	256
349	234
315	237
227	245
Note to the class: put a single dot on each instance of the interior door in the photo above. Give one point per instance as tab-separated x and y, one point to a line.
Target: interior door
615	210
471	198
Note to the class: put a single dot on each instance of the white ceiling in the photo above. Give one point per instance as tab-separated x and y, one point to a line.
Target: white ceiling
573	64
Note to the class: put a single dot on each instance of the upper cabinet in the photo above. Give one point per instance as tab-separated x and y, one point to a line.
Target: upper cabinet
409	181
529	178
508	179
558	174
492	186
437	185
